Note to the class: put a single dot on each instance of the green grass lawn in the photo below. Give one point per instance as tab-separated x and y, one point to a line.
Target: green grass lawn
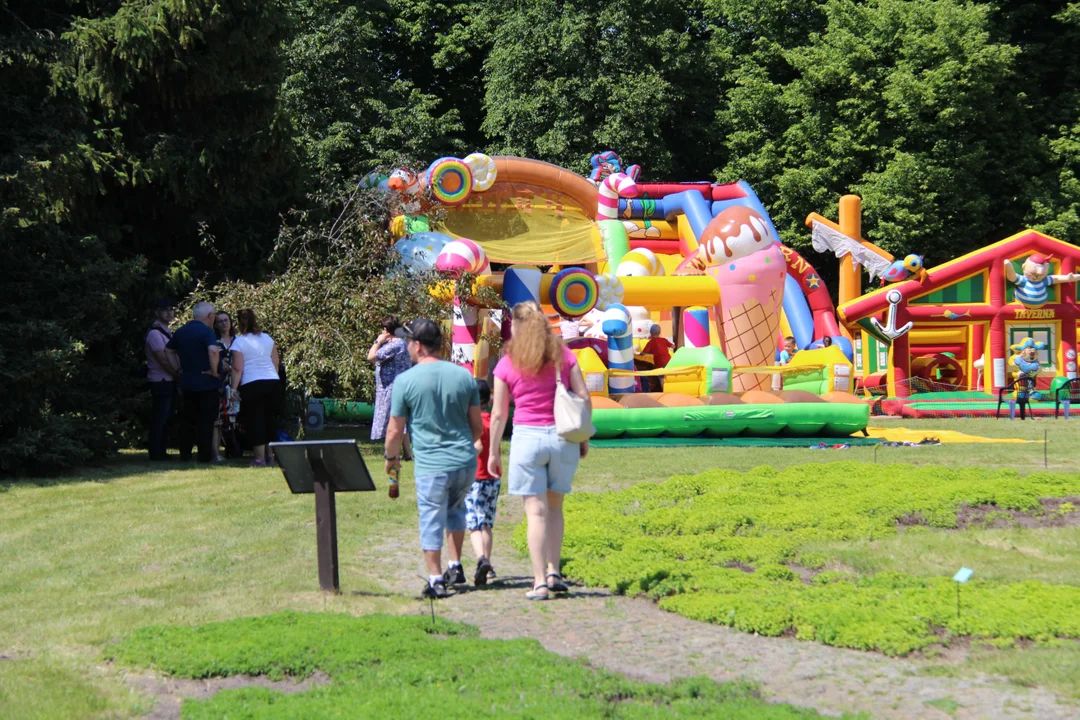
91	557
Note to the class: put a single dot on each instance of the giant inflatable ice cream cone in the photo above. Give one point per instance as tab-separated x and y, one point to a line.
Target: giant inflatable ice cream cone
745	258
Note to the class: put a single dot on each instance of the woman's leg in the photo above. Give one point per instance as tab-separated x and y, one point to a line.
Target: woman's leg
253	409
536	512
553	540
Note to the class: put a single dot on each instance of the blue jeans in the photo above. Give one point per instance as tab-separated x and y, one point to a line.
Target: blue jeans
440	500
162	395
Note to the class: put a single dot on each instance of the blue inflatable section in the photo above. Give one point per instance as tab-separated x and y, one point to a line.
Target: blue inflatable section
798	313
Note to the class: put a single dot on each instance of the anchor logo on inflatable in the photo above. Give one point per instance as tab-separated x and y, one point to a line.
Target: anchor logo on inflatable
889	329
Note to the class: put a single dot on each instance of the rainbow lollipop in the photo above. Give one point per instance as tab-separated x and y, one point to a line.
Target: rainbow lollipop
574	292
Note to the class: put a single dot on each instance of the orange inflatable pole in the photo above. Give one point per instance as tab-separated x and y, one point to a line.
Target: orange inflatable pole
850	273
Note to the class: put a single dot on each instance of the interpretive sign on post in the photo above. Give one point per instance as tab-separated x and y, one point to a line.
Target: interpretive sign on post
324	467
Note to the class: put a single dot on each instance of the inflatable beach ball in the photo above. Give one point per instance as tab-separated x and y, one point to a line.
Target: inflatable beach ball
420	250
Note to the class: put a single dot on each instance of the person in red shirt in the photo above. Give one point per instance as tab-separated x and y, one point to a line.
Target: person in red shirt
659	348
483	497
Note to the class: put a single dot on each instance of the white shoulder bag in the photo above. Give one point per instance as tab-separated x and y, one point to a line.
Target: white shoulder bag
573	414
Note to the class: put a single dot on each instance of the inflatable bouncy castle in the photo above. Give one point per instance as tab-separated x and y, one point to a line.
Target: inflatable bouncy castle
619	256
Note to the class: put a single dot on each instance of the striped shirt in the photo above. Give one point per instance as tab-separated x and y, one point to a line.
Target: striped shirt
1033	294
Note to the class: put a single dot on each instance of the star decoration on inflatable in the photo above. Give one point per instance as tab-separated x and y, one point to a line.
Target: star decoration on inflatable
812	281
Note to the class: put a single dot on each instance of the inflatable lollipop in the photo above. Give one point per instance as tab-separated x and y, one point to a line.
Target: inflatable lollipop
450	180
574	292
483	171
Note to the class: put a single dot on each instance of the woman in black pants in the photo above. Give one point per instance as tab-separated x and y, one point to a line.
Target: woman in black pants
255	366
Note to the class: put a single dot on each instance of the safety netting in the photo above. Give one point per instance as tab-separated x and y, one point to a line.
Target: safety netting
927	399
518	222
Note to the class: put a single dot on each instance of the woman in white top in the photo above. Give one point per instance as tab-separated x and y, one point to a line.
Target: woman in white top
255	367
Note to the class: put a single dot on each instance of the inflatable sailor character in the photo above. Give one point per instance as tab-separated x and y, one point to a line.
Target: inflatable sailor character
1033	286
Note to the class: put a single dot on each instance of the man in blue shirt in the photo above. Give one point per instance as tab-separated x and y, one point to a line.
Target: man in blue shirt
193	351
441	404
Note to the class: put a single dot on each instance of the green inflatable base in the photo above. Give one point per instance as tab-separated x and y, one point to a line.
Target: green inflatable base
347	410
719	421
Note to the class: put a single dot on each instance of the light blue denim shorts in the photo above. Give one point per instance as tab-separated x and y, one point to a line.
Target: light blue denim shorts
540	460
440	500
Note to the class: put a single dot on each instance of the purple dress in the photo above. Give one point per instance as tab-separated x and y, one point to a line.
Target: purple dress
391	360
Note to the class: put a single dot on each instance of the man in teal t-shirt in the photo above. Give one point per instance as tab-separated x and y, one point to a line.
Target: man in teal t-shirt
441	405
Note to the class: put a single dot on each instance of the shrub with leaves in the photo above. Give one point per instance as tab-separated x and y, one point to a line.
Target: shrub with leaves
341	277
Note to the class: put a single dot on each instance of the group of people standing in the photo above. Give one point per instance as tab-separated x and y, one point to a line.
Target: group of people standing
219	374
457	444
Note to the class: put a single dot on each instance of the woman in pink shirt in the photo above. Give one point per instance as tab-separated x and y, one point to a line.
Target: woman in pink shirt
542	464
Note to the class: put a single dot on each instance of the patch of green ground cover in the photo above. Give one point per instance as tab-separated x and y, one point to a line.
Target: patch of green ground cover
410	666
690	541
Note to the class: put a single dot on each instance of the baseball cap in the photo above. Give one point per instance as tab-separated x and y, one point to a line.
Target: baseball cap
165	304
1041	259
424	332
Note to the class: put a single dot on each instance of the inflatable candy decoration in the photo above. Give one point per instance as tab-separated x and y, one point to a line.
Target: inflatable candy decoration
404	180
611	189
419	250
450	180
574	292
610	291
616	326
483	171
696	327
604	164
374	180
640	263
745	259
461	256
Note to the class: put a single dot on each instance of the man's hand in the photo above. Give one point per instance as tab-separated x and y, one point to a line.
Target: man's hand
392	466
584	449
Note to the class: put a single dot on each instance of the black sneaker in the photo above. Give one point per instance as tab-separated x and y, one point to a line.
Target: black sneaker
483	570
436	590
454	575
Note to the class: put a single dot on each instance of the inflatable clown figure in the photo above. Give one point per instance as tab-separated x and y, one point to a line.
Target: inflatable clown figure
1033	286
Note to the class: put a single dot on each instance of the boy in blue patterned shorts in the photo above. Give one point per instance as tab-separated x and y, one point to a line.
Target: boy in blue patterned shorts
483	497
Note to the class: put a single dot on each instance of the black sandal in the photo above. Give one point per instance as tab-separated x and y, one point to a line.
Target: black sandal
558	585
540	592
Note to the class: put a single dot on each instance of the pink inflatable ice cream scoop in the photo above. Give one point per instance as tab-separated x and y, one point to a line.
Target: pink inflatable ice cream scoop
745	258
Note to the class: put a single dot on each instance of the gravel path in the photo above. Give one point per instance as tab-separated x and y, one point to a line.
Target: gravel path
632	636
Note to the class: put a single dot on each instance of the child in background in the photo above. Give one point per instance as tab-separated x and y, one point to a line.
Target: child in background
483	497
660	349
785	357
789	350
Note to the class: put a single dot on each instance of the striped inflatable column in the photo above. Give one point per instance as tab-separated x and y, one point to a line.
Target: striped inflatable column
620	337
465	335
457	257
696	327
611	189
520	283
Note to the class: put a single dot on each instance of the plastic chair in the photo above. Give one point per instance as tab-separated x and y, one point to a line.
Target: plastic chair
1022	389
1066	395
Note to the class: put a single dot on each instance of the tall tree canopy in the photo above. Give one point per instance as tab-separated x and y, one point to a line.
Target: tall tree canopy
152	144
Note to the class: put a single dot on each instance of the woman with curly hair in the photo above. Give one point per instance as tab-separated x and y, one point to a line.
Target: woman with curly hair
542	464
